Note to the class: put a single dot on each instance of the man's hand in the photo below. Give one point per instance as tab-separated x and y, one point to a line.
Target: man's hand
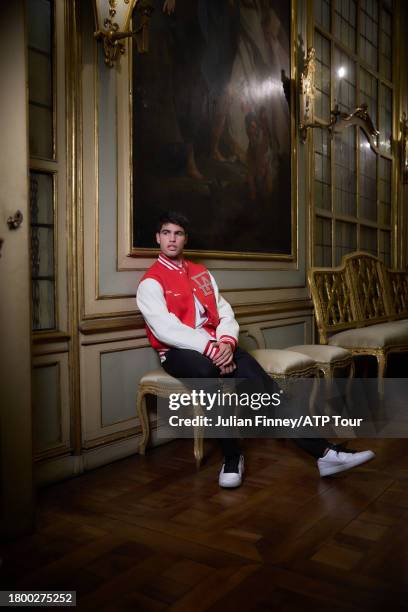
169	6
224	370
225	354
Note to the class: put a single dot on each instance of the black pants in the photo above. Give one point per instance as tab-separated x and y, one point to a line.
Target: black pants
184	363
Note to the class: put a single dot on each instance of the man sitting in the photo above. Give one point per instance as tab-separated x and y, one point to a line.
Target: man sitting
195	332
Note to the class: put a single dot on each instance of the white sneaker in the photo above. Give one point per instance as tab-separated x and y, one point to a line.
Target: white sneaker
231	472
339	461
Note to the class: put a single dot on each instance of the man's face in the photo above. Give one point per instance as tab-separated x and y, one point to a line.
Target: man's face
171	240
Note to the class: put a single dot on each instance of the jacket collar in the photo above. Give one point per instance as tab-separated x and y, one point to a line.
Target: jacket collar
170	264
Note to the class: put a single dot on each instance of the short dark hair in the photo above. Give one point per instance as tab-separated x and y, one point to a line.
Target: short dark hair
172	216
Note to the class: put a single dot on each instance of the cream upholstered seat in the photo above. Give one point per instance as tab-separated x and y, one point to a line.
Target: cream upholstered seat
281	363
378	340
327	358
285	365
278	363
159	383
381	335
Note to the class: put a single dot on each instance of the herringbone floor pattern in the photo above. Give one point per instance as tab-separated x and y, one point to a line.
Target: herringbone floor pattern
150	533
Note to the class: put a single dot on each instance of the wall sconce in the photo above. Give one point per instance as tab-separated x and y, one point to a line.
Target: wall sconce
307	94
339	120
113	22
404	148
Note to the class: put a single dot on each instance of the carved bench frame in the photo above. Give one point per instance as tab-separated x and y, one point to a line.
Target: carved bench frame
359	292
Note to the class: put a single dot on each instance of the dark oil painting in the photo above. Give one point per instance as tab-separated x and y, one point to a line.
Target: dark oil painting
211	124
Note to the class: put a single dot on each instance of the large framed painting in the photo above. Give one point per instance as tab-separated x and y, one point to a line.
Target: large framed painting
213	127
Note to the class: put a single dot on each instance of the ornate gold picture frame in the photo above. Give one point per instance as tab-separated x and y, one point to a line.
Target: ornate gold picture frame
214	127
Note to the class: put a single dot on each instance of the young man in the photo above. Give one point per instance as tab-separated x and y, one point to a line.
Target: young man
194	330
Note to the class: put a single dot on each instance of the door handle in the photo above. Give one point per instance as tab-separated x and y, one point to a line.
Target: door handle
15	221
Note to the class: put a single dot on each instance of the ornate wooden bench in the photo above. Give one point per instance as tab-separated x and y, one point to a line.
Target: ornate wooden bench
279	364
362	306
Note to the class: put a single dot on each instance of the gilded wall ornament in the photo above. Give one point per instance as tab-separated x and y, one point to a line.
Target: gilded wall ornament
404	148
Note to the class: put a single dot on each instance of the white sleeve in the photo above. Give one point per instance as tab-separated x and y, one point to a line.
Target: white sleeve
166	327
228	328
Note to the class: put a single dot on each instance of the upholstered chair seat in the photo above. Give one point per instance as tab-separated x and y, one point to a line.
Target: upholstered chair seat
401	322
286	366
280	364
327	358
381	335
160	384
283	363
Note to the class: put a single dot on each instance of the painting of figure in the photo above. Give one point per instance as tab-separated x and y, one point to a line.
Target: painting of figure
212	125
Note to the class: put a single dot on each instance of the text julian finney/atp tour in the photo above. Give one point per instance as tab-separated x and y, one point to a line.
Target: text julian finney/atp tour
263	421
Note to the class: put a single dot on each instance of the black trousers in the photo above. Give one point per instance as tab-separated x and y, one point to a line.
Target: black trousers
184	363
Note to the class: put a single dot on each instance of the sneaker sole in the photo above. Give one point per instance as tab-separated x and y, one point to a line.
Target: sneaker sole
231	485
329	471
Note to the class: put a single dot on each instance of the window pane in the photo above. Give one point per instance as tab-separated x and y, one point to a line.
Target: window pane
40	78
345	22
345	172
43	305
345	240
367	180
369	32
322	80
39	24
42	250
386	45
368	93
41	198
344	81
41	131
385	191
322	13
368	239
385	247
40	90
385	126
42	245
323	248
322	169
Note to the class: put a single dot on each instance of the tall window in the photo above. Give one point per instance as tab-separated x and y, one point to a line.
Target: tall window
43	163
352	192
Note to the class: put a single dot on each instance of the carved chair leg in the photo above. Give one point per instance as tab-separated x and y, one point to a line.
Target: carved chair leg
313	395
144	421
328	383
198	446
349	385
328	372
382	367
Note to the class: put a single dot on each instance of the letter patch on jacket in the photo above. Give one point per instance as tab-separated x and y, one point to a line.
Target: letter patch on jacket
204	282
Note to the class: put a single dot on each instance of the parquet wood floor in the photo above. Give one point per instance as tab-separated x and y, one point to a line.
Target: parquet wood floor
151	533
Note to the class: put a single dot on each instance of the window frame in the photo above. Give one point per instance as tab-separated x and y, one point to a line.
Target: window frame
330	213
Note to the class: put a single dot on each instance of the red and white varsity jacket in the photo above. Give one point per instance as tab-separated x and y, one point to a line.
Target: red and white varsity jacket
182	308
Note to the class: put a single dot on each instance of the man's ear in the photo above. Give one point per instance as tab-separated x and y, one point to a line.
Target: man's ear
186	239
157	237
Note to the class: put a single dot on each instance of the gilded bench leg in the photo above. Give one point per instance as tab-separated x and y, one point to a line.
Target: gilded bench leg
349	385
313	395
198	446
382	366
144	421
328	383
